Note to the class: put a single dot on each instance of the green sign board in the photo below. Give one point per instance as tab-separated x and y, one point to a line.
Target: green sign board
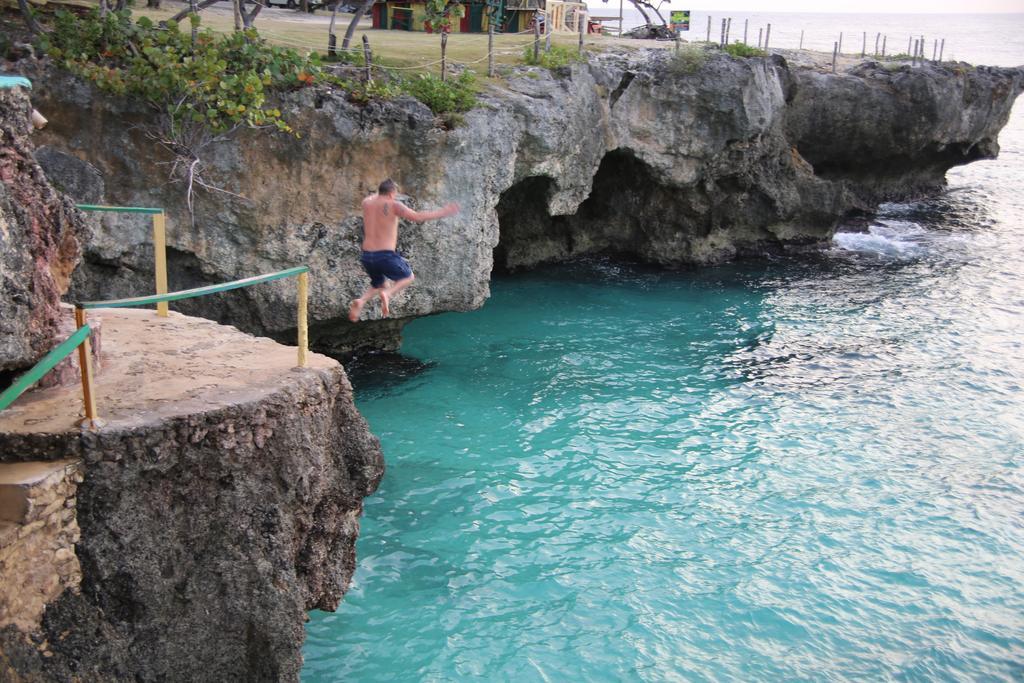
680	20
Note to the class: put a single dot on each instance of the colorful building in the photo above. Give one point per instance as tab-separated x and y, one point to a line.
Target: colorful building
508	16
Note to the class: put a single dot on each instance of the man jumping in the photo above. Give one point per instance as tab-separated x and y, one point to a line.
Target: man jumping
381	212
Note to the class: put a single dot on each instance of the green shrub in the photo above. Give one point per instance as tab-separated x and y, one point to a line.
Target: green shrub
377	89
220	81
443	97
742	50
687	60
558	56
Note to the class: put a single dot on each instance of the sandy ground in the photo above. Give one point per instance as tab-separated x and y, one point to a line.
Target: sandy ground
157	368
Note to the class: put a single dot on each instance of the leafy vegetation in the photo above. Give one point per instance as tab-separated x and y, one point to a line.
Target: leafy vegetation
219	81
687	60
742	50
558	56
454	95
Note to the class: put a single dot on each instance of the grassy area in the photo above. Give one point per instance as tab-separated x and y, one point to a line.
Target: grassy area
407	50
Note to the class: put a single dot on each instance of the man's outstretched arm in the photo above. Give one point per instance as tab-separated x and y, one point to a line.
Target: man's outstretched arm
405	212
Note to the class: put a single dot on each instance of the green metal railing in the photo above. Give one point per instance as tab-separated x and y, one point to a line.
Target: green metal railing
159	243
137	301
118	209
79	340
15	82
301	272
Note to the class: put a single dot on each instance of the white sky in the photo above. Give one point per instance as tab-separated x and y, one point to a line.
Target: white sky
853	6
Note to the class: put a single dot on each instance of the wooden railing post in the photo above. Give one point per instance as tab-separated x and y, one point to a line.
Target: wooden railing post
303	326
490	50
444	56
85	365
160	259
368	58
536	38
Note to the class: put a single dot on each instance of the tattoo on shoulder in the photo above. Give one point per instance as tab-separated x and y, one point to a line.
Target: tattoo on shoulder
387	208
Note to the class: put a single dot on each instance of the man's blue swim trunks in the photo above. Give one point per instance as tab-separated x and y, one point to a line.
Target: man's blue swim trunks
382	265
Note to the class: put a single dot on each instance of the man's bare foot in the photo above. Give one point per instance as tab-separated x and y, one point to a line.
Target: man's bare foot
385	309
355	309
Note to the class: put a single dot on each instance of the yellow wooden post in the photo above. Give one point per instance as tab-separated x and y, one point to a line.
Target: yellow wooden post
85	365
160	260
302	322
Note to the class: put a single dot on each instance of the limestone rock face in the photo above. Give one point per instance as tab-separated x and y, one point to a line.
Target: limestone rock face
893	132
40	231
628	154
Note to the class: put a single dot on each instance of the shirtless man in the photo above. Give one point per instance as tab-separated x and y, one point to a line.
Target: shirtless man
381	212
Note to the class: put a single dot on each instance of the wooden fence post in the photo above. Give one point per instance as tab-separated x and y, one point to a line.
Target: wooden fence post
85	366
835	55
490	51
878	36
746	22
910	41
708	39
767	37
728	30
368	58
583	29
864	45
942	48
444	55
536	40
160	260
547	41
913	56
840	42
935	49
303	320
801	40
884	38
760	34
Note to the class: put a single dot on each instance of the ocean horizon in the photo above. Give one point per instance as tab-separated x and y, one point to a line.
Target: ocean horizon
992	39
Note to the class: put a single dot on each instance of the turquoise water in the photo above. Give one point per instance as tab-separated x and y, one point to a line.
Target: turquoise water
802	468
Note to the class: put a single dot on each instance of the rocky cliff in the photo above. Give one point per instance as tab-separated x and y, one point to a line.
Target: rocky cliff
637	154
40	235
218	504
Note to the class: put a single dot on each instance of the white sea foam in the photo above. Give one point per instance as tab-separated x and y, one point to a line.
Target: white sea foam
890	239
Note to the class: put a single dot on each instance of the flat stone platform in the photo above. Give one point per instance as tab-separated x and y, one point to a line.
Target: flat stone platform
157	368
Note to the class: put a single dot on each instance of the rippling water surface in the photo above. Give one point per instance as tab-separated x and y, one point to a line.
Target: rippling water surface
804	468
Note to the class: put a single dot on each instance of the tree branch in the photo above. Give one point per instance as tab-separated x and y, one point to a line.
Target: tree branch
355	22
187	11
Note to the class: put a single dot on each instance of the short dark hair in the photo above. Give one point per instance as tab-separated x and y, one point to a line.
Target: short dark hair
387	187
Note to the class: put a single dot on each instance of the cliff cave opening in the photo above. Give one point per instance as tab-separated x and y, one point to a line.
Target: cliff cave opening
525	227
626	214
